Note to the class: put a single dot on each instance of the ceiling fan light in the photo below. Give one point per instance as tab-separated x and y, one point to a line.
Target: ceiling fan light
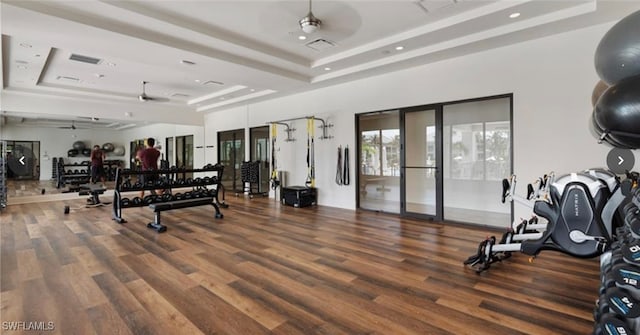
310	23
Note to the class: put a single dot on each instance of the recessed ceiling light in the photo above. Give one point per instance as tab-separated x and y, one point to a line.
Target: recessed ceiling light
111	64
327	69
22	67
99	75
514	15
25	45
302	37
197	80
36	55
252	90
400	47
187	62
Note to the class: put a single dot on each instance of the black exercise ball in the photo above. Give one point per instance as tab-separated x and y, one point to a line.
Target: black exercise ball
618	112
72	153
108	147
78	145
618	53
86	152
600	87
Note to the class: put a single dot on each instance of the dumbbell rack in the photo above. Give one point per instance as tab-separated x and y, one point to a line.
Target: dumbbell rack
617	310
66	175
110	167
168	181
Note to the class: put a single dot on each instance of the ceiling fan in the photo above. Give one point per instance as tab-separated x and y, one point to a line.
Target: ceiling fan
310	23
144	97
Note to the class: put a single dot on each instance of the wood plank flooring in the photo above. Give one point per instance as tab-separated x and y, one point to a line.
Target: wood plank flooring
267	269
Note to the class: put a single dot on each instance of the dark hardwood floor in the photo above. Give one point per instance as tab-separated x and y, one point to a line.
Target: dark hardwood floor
264	269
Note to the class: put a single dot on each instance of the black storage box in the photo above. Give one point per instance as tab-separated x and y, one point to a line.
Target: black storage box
299	196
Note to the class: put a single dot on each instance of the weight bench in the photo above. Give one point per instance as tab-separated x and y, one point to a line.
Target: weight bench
94	192
166	206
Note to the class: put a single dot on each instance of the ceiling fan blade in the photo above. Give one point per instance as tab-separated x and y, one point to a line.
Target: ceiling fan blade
158	99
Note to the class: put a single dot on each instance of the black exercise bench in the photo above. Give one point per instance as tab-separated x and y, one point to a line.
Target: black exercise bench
166	206
93	191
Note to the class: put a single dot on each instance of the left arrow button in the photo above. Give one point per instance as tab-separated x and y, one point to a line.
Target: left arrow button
21	160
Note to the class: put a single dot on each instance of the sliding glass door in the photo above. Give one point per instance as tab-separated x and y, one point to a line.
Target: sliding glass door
477	151
379	161
441	161
421	182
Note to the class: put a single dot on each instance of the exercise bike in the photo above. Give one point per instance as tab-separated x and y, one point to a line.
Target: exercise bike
579	209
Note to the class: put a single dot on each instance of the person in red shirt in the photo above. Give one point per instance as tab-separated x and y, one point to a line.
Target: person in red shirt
149	160
97	161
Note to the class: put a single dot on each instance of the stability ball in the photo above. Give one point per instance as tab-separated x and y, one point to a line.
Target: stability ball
78	145
600	87
618	112
118	151
618	53
108	147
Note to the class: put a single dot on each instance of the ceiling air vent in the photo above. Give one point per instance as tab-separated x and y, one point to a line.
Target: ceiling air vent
84	59
320	44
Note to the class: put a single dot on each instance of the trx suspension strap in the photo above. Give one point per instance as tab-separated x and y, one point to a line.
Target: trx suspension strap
339	167
274	170
311	179
313	153
345	172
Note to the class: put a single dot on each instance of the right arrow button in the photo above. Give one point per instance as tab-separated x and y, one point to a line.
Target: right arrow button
620	160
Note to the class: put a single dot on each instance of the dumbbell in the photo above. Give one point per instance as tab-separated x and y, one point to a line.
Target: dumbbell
198	181
611	324
148	200
125	202
150	183
137	185
126	185
188	181
197	194
187	195
159	183
137	201
180	182
167	197
212	192
178	196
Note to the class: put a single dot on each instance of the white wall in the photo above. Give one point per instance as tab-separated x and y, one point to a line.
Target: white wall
551	79
161	131
56	142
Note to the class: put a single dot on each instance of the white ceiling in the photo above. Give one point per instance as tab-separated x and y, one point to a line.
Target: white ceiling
243	51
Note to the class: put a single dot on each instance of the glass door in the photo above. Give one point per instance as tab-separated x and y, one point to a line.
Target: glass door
421	186
379	161
231	155
260	152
